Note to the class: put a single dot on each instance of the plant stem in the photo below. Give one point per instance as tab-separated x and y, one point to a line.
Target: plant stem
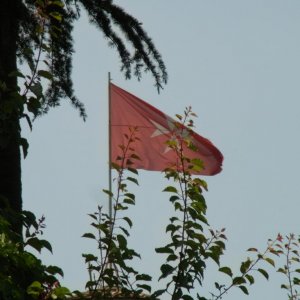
288	268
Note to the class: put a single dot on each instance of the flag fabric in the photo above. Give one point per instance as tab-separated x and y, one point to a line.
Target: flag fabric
154	129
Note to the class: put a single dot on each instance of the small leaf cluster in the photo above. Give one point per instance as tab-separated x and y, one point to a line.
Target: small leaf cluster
289	248
22	274
192	242
111	270
248	269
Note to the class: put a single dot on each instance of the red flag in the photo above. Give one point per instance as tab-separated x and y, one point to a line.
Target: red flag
154	128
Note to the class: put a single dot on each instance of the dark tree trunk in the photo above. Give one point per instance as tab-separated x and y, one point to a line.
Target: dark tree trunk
10	164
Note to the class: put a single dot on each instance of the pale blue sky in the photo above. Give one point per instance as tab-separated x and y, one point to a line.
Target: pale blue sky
238	64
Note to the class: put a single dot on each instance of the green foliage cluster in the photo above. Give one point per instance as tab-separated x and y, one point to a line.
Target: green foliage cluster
192	242
40	37
45	44
37	34
22	275
111	271
43	40
288	248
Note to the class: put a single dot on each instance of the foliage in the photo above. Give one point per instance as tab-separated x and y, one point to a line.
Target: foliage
42	41
37	34
193	243
22	274
190	245
45	44
111	270
289	248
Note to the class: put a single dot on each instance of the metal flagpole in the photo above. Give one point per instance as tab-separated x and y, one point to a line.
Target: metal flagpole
109	150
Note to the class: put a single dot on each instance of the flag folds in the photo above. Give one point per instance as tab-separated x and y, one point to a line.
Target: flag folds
154	129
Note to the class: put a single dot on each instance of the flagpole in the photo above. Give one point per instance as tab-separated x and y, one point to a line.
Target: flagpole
110	206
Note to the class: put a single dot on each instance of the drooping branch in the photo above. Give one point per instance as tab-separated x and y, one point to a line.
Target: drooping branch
110	17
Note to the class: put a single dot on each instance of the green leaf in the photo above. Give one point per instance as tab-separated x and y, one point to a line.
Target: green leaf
128	221
90	284
157	294
109	193
214	256
144	277
281	270
252	250
134	180
187	297
264	273
203	184
57	16
129	201
177	206
270	261
135	156
166	270
35	289
170	227
61	292
54	270
89	236
115	166
244	289
93	216
220	244
45	74
130	195
122	241
28	121
46	244
57	3
172	257
226	270
145	287
33	105
89	257
37	90
296	281
38	244
128	162
197	164
245	266
250	278
174	198
132	170
178	294
164	250
238	280
124	230
170	189
218	286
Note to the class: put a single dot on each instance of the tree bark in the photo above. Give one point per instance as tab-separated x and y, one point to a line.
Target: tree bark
10	161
